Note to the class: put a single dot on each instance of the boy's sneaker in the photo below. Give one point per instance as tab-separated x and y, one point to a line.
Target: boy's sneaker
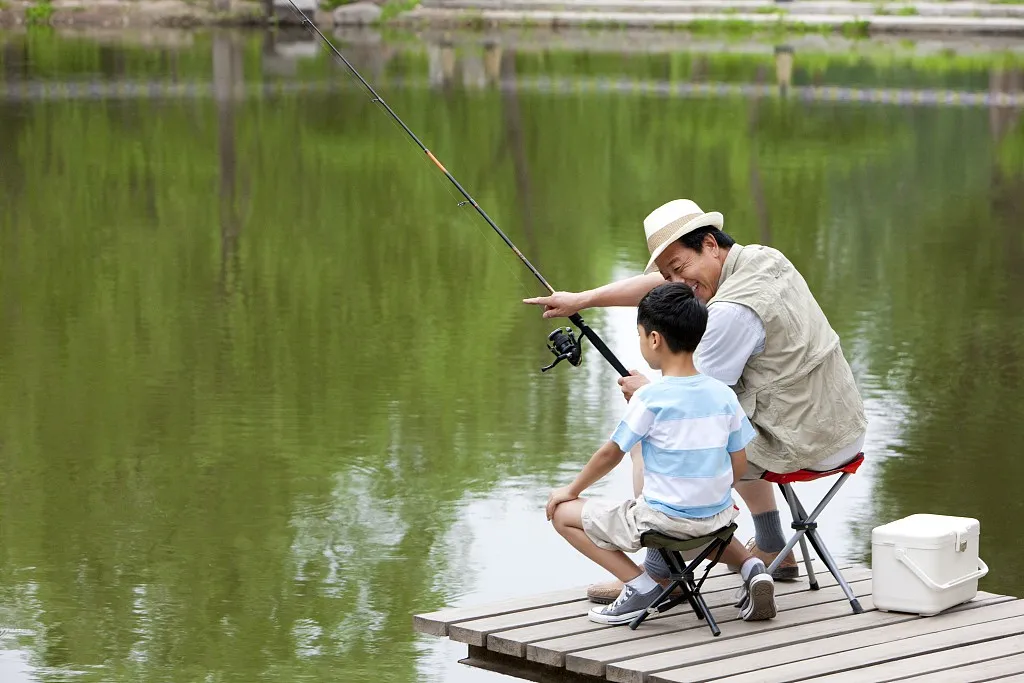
625	608
756	597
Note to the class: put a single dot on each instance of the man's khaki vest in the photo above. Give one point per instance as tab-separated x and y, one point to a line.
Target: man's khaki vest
799	392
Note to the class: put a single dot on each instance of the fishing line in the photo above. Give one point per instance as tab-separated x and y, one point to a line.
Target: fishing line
562	342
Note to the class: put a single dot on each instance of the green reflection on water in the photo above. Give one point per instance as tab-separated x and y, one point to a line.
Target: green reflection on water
255	360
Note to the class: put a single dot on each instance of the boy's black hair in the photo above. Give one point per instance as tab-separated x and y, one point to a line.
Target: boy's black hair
695	240
672	310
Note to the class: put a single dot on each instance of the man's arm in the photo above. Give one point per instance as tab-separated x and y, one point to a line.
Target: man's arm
626	292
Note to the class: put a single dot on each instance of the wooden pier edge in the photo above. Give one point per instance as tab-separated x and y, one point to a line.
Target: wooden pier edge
980	640
518	667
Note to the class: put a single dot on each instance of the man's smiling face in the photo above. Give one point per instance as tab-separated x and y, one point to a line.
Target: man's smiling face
701	271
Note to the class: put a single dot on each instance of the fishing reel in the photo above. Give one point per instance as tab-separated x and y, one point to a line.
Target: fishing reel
565	346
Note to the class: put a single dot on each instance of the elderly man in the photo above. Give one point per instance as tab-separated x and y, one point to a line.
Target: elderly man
767	338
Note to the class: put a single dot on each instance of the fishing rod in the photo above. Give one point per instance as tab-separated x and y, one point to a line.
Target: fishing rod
562	342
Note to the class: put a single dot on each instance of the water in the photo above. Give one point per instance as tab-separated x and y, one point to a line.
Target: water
266	391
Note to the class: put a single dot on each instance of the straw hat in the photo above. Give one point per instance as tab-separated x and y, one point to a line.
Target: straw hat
670	221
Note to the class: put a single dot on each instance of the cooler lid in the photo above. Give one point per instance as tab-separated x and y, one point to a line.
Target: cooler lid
925	531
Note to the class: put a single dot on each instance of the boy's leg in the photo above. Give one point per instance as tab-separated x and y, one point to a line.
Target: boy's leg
568	521
653	564
611	525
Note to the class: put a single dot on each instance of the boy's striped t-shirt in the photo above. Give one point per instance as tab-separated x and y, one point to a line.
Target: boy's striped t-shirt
688	426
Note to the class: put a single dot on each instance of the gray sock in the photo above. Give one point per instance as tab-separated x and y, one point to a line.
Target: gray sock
655	565
768	532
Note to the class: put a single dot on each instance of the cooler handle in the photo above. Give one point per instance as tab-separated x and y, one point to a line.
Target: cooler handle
901	555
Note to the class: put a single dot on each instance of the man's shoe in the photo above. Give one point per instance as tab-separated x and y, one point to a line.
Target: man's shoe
757	596
630	604
788	569
604	593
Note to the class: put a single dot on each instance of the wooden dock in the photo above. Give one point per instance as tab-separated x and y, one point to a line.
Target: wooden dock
815	636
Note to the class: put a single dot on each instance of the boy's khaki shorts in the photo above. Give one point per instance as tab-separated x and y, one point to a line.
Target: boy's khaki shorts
616	525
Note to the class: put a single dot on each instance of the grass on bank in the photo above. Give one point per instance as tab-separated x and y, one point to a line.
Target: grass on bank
39	13
729	27
42	11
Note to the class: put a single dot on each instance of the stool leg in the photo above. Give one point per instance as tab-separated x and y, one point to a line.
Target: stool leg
798	513
694	605
653	607
791	543
811	578
704	613
826	557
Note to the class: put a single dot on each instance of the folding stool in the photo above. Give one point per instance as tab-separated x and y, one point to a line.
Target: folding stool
807	526
681	573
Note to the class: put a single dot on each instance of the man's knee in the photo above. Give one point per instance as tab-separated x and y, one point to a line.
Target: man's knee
753	473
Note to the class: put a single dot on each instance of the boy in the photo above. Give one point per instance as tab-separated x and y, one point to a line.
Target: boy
693	432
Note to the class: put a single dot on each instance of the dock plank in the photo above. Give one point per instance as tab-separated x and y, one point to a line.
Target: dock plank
478	631
475	632
904	647
438	623
552	650
801	608
547	637
820	639
952	660
868	646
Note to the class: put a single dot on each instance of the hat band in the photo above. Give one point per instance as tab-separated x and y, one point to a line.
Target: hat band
655	240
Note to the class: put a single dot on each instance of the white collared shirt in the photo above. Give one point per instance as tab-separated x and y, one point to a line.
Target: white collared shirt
734	334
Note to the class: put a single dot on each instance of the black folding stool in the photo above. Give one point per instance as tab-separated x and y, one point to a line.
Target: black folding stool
682	574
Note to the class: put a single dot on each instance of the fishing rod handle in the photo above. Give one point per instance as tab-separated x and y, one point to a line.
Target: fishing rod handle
599	344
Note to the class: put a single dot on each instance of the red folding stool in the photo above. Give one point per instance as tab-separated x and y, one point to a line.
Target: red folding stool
806	526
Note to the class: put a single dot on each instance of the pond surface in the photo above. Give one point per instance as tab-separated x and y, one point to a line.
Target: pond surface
266	391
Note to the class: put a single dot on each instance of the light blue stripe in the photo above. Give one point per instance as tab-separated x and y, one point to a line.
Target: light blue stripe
675	398
742	436
625	437
691	512
697	463
687	411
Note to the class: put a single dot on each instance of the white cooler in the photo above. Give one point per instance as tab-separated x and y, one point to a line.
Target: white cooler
924	564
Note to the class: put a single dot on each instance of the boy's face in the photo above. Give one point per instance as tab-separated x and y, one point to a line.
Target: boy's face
650	347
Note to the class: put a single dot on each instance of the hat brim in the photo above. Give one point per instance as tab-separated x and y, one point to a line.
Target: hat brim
712	219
